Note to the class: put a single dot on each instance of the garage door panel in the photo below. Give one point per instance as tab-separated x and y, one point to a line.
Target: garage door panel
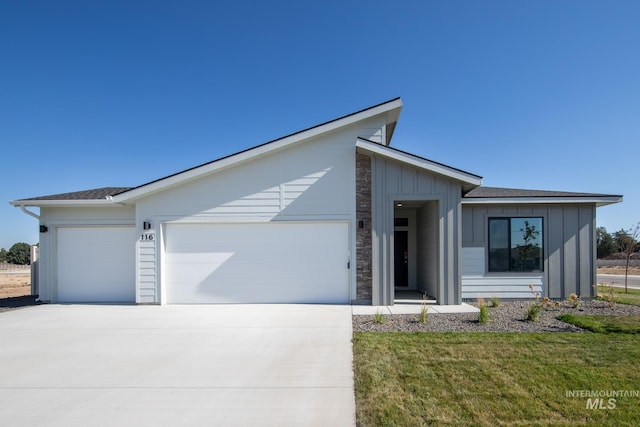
257	263
96	264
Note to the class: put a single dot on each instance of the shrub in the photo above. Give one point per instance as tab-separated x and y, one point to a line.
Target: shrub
378	317
533	311
609	294
483	316
534	308
574	300
423	310
495	302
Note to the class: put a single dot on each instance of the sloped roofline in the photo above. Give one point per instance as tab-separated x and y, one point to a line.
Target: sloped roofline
468	180
96	196
391	110
499	195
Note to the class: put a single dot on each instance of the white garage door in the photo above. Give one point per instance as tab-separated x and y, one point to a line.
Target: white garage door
257	263
96	264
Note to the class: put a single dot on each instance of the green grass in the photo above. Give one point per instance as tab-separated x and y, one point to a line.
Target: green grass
631	298
604	324
404	379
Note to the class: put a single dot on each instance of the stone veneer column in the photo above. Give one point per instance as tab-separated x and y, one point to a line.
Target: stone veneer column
363	235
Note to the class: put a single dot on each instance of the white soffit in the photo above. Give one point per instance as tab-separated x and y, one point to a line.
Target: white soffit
390	110
39	202
598	200
428	165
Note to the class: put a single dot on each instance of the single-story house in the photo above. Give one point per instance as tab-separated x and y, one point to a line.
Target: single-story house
330	214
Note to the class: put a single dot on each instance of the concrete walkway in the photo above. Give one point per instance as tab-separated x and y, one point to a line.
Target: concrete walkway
412	308
230	365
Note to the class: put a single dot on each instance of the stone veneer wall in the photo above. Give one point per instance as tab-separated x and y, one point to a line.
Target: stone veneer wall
363	235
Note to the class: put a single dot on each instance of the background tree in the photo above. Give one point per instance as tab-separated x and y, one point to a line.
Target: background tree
628	241
529	234
3	255
19	254
606	244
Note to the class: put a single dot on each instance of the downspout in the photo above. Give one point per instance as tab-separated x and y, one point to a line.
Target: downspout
34	283
28	212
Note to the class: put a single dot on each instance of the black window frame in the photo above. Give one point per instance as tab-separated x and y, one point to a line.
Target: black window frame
491	263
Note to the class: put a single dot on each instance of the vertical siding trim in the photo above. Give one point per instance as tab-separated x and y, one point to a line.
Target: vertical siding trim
586	276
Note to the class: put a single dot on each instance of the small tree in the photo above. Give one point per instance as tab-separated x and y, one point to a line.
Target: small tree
3	255
19	254
628	240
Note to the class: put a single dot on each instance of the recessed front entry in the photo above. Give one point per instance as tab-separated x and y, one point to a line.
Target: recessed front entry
288	262
401	258
415	246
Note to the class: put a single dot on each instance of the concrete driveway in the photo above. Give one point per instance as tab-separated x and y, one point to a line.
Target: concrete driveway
210	365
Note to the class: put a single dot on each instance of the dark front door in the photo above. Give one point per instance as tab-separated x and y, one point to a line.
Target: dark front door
401	258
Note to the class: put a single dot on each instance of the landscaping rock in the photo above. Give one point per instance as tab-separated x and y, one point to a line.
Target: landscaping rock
509	316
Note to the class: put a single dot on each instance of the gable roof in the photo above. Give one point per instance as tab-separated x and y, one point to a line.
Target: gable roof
390	110
467	179
483	195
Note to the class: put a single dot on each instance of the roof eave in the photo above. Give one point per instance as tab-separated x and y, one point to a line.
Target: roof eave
598	200
468	180
52	203
390	110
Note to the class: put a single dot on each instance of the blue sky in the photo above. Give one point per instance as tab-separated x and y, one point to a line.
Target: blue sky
528	94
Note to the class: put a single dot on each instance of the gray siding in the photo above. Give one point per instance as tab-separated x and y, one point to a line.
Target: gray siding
393	181
428	249
569	251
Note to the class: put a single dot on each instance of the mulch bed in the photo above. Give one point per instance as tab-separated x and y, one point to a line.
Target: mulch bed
509	316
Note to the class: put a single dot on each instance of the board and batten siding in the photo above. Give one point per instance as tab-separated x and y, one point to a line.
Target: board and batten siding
313	180
569	252
437	266
60	217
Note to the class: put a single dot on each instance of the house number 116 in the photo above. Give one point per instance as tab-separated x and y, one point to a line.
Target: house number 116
146	237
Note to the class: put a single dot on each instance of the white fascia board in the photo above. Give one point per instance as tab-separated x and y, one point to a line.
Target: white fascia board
598	200
419	163
39	203
391	109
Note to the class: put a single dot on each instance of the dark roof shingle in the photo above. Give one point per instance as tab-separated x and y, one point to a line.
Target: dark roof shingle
94	194
498	192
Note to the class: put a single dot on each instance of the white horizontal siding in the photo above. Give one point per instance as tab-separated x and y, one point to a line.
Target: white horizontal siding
502	287
473	261
316	178
87	215
476	283
147	278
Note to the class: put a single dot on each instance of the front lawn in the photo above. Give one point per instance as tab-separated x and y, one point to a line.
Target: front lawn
413	379
604	324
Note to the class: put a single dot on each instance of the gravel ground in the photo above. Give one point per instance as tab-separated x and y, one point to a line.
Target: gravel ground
508	317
